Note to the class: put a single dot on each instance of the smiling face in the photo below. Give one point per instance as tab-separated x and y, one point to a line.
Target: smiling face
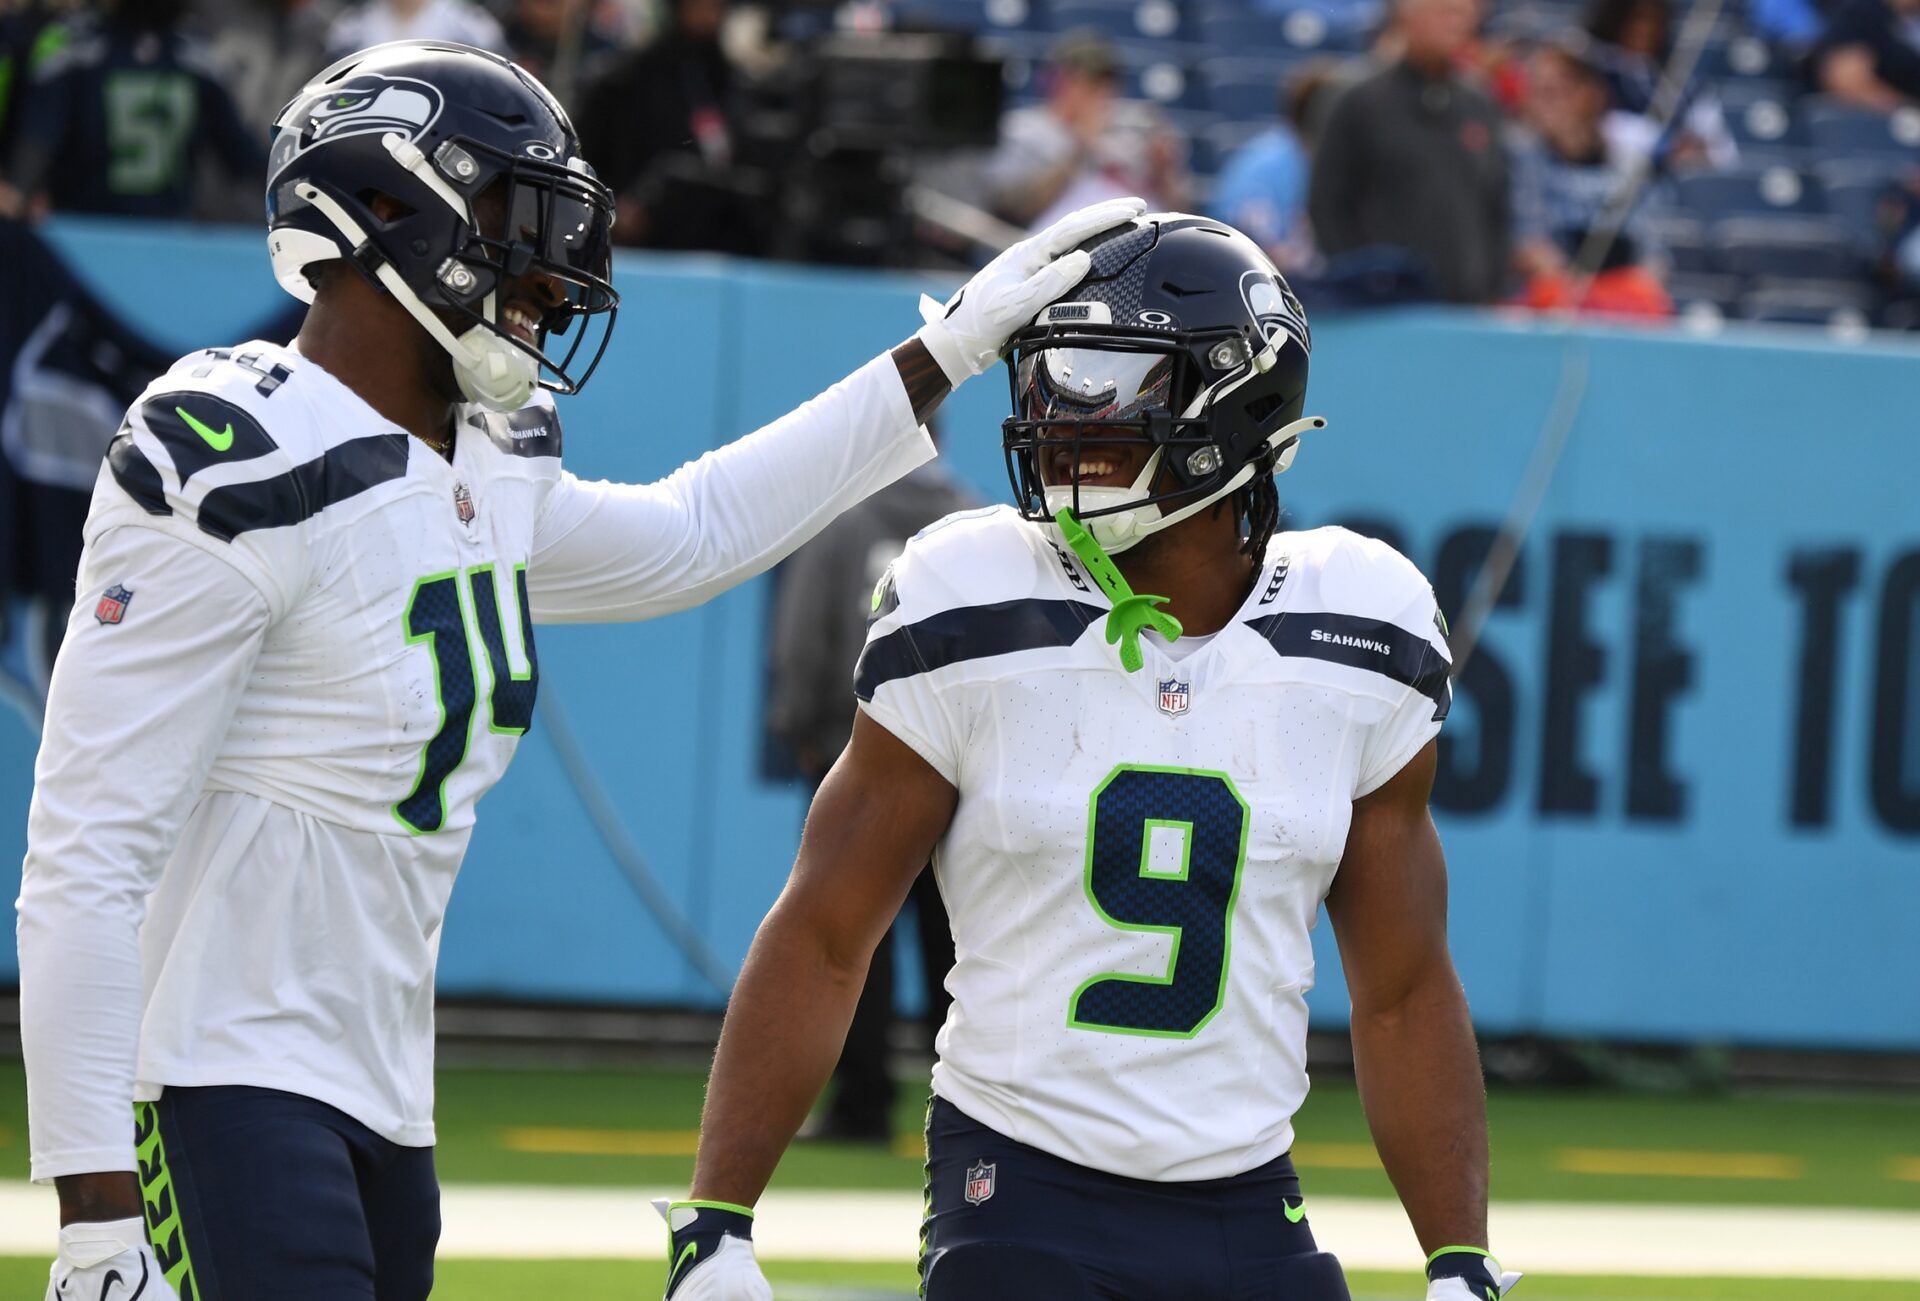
1070	392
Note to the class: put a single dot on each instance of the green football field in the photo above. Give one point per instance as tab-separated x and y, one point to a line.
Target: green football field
634	1129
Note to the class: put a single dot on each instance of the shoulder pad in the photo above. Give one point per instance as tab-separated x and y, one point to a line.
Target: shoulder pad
1348	573
198	444
977	584
979	557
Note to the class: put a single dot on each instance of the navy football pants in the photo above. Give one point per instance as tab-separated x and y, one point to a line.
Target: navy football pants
1129	1239
254	1194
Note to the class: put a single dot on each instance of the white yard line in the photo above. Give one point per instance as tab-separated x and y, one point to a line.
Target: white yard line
1542	1237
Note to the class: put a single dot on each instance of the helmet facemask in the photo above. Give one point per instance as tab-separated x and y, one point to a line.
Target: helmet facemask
535	219
1076	391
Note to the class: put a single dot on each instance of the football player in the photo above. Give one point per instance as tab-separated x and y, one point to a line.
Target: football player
304	648
1136	805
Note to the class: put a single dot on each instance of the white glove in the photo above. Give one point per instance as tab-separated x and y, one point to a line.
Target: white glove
967	333
106	1260
1484	1281
710	1253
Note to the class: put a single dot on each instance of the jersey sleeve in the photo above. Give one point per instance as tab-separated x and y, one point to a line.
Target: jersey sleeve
163	637
610	551
1420	662
892	679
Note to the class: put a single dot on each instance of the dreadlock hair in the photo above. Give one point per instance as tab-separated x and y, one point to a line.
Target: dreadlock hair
1259	506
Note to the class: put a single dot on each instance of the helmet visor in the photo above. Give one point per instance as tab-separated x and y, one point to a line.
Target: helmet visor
1058	384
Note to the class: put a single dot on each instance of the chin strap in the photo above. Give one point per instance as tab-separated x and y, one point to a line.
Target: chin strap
1130	613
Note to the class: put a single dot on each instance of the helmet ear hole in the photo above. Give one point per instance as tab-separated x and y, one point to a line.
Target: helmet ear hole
1261	409
386	209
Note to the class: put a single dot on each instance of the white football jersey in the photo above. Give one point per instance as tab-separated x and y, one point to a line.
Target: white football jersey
302	651
1137	859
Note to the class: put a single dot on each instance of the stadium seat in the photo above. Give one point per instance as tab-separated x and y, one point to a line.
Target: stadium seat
1855	192
1228	32
1159	75
1745	58
1119	20
1796	248
1747	191
1837	305
946	15
1838	131
1213	146
1693	293
1312	27
1243	90
1683	241
1763	120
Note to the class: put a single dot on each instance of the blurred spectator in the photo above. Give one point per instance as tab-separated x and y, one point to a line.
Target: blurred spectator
114	121
29	35
1632	39
1412	158
1790	24
659	127
267	49
819	626
539	33
1262	187
1084	143
1566	177
378	21
1869	54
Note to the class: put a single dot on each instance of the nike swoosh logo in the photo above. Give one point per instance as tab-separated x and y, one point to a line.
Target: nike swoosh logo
1295	1214
219	442
113	1276
687	1253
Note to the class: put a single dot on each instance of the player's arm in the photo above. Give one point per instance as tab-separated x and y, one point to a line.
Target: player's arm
871	829
1414	1051
872	826
625	551
135	715
136	712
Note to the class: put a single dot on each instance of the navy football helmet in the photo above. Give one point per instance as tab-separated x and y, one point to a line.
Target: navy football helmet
443	173
1183	335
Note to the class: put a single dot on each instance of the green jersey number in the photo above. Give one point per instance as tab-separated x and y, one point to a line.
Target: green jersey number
1165	847
439	617
149	119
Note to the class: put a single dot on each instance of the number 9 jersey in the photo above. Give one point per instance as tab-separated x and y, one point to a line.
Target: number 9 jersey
1137	860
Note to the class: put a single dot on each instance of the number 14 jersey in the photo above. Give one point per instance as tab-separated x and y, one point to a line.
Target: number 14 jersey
1137	859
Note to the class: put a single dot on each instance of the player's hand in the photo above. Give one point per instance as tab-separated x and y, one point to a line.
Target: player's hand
1466	1275
966	334
710	1253
93	1253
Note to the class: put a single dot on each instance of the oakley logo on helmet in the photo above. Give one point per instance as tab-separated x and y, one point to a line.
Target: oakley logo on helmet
1275	308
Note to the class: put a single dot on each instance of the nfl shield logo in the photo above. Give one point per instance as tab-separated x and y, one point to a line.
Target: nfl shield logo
1174	695
113	604
979	1182
463	503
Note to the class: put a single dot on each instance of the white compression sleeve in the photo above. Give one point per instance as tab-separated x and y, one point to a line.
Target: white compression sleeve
608	551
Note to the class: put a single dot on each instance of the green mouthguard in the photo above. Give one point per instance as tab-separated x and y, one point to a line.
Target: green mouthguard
1130	613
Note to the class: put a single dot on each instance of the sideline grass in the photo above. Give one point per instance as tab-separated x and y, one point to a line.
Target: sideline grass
475	1280
1839	1150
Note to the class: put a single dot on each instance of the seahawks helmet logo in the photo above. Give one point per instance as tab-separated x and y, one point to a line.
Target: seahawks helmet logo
365	104
1275	307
